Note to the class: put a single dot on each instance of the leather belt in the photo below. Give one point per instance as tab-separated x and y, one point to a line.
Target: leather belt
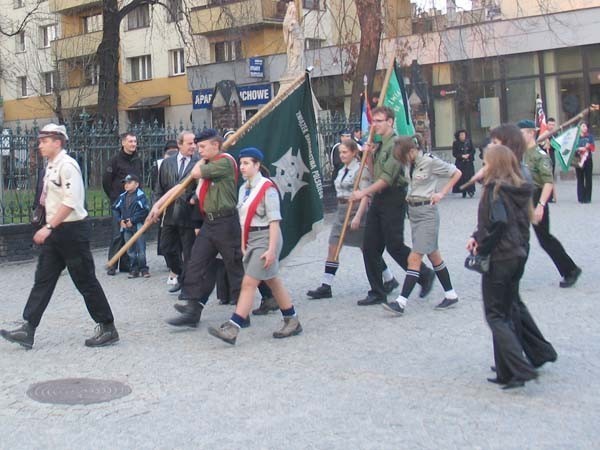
428	202
266	227
219	214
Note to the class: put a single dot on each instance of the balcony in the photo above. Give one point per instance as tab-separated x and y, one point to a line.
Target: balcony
68	6
76	46
221	15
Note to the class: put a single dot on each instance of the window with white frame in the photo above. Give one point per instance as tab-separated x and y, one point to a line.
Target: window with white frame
141	68
174	10
92	24
22	87
177	62
20	42
91	74
49	82
312	44
139	17
227	51
47	35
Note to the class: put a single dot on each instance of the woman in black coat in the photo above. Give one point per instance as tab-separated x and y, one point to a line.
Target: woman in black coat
464	154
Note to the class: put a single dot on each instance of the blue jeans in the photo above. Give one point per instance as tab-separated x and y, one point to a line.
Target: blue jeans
137	252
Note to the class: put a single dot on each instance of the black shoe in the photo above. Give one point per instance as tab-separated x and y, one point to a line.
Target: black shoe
427	283
22	335
370	300
112	271
190	318
106	334
394	307
496	380
571	279
175	288
323	291
133	275
184	308
389	286
539	364
513	384
447	303
267	304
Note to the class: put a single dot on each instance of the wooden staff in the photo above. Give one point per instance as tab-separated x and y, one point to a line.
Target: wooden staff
231	140
542	137
363	161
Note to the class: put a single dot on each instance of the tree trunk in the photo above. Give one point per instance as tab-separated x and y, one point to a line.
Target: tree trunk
371	29
108	60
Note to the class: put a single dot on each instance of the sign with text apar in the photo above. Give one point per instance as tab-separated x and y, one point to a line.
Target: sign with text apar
257	94
201	98
257	67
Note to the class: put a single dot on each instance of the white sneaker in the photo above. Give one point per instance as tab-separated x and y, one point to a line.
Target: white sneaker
172	280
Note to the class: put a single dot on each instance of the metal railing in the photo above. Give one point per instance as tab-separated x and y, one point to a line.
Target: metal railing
92	145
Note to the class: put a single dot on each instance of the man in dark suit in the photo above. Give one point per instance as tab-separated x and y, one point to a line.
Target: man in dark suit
177	234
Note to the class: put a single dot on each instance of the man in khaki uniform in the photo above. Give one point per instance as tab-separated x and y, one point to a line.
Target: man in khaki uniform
65	241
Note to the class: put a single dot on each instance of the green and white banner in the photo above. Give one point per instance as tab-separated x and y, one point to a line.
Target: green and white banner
565	146
396	98
288	138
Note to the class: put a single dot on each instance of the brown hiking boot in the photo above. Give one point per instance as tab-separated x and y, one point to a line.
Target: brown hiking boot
106	334
226	332
291	327
267	304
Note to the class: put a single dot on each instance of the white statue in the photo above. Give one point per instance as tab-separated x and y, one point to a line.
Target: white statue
294	40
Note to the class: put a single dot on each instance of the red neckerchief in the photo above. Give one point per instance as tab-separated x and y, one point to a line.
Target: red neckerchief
205	183
253	207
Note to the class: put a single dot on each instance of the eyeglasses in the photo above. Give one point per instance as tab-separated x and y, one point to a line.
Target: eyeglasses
380	120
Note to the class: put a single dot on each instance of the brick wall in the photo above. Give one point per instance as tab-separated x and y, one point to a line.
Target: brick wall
16	242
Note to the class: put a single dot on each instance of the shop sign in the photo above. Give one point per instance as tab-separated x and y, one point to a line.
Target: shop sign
258	94
257	67
201	98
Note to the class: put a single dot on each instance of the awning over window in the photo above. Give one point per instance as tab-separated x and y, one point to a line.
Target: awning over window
151	102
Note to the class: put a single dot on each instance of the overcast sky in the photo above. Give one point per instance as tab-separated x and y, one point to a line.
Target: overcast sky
441	4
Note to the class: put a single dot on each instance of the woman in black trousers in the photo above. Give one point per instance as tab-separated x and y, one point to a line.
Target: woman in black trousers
502	234
584	165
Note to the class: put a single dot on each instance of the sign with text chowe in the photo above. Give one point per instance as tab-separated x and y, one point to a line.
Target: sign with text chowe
201	98
257	67
257	94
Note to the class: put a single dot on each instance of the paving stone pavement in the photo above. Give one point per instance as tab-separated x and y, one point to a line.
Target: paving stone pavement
356	377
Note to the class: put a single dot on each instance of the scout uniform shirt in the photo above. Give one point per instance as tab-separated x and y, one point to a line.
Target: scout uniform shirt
424	174
222	194
344	182
539	165
63	185
385	166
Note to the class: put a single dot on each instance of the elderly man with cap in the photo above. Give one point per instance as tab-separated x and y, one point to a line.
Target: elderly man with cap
540	167
220	232
65	242
177	233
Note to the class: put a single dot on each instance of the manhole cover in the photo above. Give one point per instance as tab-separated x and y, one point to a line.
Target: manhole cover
77	391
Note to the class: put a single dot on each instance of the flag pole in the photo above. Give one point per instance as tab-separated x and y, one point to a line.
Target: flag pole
577	118
386	81
231	141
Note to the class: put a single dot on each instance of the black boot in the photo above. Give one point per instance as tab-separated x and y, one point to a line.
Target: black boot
106	334
22	335
267	304
190	315
323	291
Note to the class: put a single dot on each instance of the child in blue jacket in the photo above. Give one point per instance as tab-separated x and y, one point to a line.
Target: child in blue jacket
132	208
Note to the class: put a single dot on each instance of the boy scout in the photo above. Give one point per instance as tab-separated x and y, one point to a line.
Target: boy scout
65	241
220	233
540	166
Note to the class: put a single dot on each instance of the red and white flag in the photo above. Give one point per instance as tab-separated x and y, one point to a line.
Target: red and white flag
540	116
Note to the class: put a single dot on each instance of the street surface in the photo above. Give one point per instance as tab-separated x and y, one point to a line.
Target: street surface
356	378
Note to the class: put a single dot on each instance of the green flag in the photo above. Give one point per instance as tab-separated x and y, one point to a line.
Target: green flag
396	98
288	138
565	146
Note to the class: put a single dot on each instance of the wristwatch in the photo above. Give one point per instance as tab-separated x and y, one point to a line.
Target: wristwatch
50	227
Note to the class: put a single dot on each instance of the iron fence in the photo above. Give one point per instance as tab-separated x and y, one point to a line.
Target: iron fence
92	144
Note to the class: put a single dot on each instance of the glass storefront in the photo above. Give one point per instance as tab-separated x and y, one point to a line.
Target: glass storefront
480	94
